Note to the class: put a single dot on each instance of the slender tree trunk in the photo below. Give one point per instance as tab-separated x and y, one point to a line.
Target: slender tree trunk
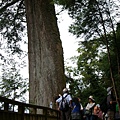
117	50
109	56
46	65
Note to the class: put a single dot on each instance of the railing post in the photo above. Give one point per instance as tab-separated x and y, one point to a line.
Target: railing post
58	115
6	106
21	111
33	110
45	113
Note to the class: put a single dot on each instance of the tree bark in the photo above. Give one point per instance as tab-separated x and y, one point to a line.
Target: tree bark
45	52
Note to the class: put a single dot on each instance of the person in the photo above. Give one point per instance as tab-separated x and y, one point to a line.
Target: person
81	108
117	114
111	104
57	97
80	104
76	111
98	114
65	115
88	114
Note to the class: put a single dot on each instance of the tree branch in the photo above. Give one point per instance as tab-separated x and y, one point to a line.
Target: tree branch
8	5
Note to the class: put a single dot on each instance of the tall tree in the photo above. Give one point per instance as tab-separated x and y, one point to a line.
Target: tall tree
46	66
45	52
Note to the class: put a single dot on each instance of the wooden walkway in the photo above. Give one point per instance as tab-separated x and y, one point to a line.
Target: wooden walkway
14	110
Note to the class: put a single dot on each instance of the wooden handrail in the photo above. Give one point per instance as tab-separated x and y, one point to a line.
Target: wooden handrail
33	111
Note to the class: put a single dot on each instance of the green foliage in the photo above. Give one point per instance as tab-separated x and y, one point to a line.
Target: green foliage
12	84
90	16
91	76
89	67
96	22
12	23
12	28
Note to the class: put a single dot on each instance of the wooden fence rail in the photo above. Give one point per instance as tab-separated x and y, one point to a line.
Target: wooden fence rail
14	110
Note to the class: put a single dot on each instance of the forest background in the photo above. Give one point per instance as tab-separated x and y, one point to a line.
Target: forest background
93	69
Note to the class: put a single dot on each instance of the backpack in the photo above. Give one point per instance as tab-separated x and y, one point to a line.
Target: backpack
64	105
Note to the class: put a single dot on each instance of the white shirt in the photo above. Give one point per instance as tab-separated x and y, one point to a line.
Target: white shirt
90	105
68	98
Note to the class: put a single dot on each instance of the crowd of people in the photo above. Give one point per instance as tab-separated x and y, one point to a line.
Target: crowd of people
92	111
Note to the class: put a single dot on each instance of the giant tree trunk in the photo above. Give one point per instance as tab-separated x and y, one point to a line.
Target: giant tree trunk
46	66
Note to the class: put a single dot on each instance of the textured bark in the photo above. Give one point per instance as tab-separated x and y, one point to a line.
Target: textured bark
46	66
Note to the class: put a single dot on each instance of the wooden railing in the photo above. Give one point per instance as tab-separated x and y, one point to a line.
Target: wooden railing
14	110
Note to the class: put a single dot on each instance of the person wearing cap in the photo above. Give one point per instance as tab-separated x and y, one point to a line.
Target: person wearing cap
89	109
65	115
111	103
